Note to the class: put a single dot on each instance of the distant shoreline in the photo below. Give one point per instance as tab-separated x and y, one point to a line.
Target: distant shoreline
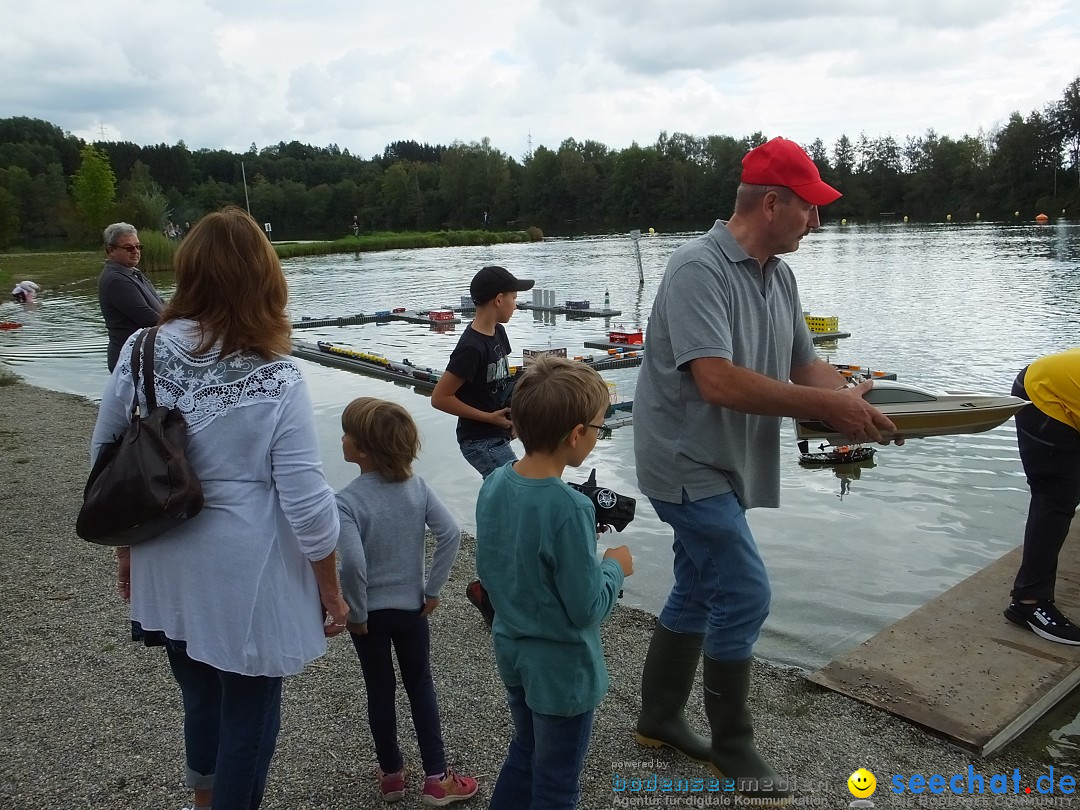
53	269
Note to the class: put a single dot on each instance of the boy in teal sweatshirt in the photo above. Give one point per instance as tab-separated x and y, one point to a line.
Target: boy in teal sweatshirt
536	555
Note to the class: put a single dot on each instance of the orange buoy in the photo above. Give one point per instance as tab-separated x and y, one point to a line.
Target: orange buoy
9	325
1042	218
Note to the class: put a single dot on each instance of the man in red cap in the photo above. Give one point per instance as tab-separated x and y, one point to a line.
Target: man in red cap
727	355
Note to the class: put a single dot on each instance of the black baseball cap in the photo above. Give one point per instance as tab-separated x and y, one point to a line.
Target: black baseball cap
492	280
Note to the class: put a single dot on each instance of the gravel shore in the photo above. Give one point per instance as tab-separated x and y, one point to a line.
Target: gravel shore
91	720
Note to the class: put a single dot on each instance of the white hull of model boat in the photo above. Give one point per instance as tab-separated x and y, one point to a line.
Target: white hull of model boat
918	413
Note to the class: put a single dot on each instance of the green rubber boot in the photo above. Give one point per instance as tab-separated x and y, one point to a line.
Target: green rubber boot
666	681
733	756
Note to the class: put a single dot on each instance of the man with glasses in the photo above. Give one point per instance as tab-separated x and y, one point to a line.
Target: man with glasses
727	354
127	298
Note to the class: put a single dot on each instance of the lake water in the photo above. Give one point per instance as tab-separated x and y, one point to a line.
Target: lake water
947	306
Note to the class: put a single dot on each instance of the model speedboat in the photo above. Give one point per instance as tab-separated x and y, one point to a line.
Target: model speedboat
917	412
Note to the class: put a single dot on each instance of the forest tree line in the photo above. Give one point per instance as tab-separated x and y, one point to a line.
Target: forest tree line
56	188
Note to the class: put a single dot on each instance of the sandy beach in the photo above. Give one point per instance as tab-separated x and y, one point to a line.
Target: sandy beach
91	720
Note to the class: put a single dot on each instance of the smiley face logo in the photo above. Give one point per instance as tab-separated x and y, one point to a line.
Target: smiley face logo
862	784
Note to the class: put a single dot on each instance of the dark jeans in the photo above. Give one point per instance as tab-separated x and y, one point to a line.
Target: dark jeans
231	725
542	770
1050	453
408	632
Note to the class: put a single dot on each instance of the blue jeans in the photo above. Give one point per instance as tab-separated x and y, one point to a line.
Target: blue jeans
231	725
407	631
487	455
1050	453
721	588
550	748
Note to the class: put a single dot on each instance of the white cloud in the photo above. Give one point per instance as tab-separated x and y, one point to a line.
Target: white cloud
222	74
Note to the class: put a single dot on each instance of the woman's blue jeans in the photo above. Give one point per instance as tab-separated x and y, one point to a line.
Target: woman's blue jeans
721	587
231	725
542	770
487	455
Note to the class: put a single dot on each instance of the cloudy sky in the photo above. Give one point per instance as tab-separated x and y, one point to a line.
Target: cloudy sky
221	74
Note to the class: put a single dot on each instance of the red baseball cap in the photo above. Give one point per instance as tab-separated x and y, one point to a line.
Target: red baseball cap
781	162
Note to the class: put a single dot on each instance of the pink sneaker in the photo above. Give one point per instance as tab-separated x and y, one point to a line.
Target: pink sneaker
451	788
392	785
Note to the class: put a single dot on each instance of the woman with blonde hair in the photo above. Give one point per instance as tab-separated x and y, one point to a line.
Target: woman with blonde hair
240	593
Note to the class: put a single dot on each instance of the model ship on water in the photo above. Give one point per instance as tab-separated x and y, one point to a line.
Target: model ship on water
918	412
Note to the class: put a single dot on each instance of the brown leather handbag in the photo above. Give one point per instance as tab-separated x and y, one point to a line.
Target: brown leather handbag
142	483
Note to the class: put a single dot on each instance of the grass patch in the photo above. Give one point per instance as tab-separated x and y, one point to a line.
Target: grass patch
50	270
53	270
399	241
157	253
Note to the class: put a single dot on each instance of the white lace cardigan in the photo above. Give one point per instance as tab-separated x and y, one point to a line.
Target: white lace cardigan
234	582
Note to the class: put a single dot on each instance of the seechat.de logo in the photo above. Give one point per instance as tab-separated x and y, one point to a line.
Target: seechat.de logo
862	785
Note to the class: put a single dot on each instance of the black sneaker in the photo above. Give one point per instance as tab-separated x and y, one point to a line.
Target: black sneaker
478	595
1044	620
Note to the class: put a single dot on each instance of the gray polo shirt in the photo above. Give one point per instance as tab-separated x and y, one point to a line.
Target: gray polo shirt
715	301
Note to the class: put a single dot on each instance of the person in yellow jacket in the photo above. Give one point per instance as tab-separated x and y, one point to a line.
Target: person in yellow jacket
1048	435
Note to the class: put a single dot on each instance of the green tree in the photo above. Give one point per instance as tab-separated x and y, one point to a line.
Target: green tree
143	202
723	169
56	145
211	196
1067	119
542	200
400	197
48	196
93	189
1025	159
637	183
882	184
468	179
9	219
844	156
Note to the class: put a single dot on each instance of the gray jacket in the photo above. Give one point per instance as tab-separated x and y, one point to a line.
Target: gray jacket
128	302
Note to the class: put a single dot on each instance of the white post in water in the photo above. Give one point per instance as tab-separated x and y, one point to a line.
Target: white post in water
635	235
247	202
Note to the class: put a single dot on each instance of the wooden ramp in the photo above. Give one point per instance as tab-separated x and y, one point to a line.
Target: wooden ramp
956	667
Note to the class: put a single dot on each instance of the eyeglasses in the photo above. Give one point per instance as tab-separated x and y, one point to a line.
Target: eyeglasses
602	431
128	248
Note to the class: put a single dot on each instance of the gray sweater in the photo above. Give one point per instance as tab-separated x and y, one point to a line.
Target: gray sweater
128	302
381	547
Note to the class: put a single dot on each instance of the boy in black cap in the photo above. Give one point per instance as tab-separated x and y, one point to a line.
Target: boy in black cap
476	384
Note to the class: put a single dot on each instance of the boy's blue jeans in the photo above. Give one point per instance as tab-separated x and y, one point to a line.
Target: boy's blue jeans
231	725
721	587
542	770
487	455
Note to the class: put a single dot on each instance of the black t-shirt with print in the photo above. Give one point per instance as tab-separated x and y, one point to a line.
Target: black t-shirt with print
481	361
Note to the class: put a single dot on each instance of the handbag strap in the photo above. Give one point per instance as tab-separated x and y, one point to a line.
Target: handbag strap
135	351
148	369
146	338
